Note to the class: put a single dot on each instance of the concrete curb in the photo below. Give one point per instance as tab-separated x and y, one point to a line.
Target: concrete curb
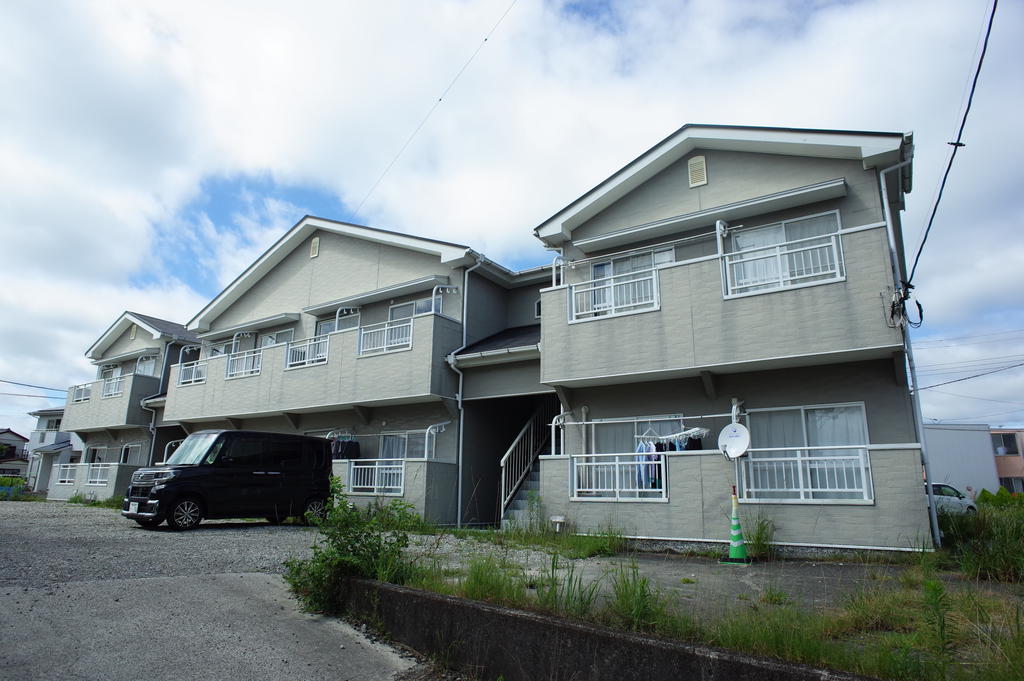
489	641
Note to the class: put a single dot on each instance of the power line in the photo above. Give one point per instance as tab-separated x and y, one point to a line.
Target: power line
957	143
966	378
45	397
432	108
29	385
973	335
975	397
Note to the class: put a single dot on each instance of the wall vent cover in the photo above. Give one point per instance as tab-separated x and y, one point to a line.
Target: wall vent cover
698	171
314	247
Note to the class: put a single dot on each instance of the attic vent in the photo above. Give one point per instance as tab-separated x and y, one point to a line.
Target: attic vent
314	247
698	171
134	330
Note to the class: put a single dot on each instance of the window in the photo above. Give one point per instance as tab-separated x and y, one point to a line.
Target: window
620	285
95	454
113	381
51	424
807	454
416	307
146	366
408	444
613	469
1005	444
1015	485
345	322
536	309
267	339
220	349
131	453
783	254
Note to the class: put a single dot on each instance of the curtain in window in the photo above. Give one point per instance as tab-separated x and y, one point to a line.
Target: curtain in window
392	446
146	366
836	426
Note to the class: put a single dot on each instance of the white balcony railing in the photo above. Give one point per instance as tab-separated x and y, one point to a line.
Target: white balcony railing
384	477
307	352
385	337
98	474
621	294
191	373
808	474
246	363
619	477
113	387
81	393
802	261
66	473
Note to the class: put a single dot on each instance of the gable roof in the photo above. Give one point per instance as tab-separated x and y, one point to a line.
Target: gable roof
873	149
8	431
159	329
454	254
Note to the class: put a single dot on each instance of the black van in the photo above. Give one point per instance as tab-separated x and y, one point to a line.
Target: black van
232	474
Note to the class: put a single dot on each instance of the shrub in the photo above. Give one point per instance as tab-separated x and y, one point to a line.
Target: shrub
354	543
987	544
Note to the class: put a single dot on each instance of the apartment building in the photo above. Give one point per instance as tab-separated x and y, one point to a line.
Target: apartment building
49	445
735	273
13	453
118	416
1008	445
344	331
727	274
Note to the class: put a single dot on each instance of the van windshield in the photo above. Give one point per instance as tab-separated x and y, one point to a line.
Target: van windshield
193	449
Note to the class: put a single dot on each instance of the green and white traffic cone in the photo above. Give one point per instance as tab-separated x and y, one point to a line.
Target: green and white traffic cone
737	547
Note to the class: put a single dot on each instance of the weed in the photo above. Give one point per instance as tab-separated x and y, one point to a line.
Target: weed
937	610
772	595
488	579
687	580
566	594
634	604
759	540
986	544
115	502
608	542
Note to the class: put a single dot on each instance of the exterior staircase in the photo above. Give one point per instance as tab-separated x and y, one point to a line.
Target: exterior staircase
517	513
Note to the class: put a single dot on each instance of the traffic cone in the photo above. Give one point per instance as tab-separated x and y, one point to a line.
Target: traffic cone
737	547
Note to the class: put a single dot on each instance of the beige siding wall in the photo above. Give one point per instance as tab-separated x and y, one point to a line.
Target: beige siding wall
736	176
111	412
346	378
124	343
699	506
345	266
696	327
504	379
430	487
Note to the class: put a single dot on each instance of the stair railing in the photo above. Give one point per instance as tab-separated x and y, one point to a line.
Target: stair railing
522	453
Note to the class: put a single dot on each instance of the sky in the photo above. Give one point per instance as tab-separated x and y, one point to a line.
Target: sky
149	151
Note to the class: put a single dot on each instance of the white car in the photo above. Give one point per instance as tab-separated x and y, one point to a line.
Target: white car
949	499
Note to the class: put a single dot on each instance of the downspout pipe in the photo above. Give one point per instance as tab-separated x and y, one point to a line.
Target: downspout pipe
915	397
451	363
164	373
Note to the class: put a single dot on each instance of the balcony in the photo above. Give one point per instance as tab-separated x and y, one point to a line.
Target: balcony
354	366
759	309
110	403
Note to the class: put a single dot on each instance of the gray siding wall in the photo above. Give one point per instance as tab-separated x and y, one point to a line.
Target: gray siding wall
736	176
429	488
504	379
488	308
111	412
699	506
346	378
345	266
521	305
887	403
697	327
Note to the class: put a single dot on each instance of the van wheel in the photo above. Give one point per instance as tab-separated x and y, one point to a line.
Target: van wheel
185	514
316	509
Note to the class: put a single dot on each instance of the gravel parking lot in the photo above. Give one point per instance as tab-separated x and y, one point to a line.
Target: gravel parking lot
86	594
49	543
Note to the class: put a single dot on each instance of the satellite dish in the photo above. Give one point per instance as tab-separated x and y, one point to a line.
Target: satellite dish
734	440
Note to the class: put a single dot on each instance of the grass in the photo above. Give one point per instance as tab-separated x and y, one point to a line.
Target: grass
115	502
565	544
987	544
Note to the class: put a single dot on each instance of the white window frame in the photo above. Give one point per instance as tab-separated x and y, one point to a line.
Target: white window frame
275	338
604	284
436	304
138	365
127	450
351	322
805	453
836	244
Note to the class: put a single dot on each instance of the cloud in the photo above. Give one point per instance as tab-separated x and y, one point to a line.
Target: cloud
107	152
